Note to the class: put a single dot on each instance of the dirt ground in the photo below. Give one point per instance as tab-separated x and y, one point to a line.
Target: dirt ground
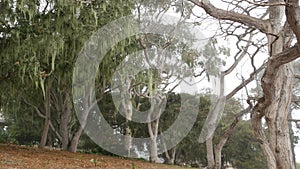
20	157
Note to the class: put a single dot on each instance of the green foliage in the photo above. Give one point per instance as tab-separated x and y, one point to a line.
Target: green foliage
39	45
97	162
24	127
133	166
4	137
242	149
189	150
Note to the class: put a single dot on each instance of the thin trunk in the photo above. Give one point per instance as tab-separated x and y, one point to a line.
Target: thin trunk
292	136
154	113
64	122
128	140
218	155
223	139
87	106
74	142
153	150
153	131
47	117
127	107
169	154
172	154
214	160
210	153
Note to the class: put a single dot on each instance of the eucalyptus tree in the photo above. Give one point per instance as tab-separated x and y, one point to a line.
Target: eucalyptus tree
278	23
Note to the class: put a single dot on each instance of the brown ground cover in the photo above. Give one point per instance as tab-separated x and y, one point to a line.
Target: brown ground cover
20	157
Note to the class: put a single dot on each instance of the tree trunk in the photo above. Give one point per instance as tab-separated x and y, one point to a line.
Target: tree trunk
127	107
47	118
210	153
153	150
171	159
223	139
277	121
218	155
153	131
155	113
170	155
74	142
128	140
64	122
87	106
274	106
278	149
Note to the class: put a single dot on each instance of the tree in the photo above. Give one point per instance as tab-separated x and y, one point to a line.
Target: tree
241	149
277	79
58	30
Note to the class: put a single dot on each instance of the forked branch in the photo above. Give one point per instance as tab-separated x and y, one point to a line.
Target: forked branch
217	13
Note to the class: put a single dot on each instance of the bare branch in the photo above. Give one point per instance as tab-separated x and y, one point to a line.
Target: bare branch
237	61
229	130
267	4
39	113
260	24
294	120
245	82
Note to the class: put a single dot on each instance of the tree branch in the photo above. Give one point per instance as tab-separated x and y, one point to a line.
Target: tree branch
245	82
39	113
294	120
267	4
229	130
292	13
217	13
241	56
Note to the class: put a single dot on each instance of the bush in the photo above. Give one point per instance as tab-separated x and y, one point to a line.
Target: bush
3	136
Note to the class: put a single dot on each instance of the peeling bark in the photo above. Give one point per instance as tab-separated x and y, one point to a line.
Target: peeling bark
277	148
277	79
292	13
